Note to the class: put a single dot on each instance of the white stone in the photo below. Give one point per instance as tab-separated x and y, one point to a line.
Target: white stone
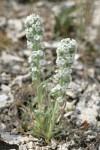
15	24
15	27
14	139
6	58
63	147
30	145
5	100
5	88
22	147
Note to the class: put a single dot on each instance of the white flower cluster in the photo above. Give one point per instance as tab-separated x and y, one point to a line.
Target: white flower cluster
66	53
56	88
65	59
34	34
34	29
35	54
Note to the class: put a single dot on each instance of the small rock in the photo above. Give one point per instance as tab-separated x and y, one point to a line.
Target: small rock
14	139
2	126
33	138
91	72
15	24
98	129
5	88
80	148
75	88
69	106
30	145
10	58
5	100
16	68
81	85
77	111
53	144
21	35
52	44
18	81
68	114
22	147
91	137
3	97
73	118
15	27
27	53
97	102
78	65
71	93
63	147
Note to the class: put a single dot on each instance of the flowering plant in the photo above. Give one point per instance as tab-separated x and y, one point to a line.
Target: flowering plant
47	101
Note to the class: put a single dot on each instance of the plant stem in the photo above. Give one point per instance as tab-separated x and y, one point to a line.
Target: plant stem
53	120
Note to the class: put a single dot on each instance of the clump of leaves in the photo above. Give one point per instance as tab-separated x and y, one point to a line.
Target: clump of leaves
64	22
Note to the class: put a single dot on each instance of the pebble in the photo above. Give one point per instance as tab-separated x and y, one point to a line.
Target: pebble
77	112
27	53
3	97
80	148
91	137
5	88
98	129
53	144
2	126
30	145
52	44
78	65
14	139
14	29
69	113
5	100
71	93
76	87
73	118
97	102
10	58
63	147
91	72
22	147
15	24
69	106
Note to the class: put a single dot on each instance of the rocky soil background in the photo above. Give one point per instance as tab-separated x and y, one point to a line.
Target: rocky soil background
82	112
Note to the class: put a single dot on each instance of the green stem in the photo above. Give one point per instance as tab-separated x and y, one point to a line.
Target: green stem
39	89
53	120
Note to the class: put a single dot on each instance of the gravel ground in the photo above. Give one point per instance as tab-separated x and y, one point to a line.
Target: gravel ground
81	116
